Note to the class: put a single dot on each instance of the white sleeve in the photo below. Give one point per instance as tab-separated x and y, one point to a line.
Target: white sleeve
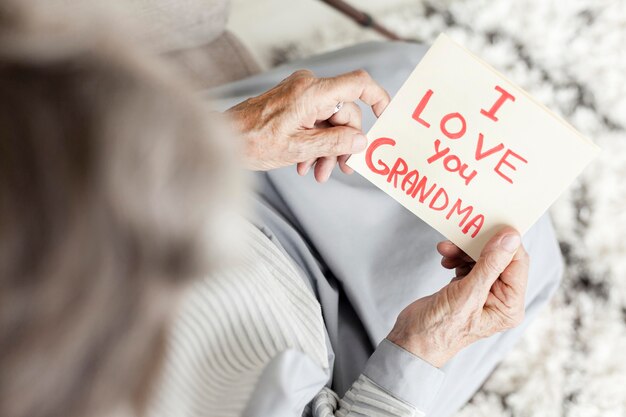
364	398
394	383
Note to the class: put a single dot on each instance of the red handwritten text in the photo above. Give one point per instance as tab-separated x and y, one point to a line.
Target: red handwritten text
454	127
419	187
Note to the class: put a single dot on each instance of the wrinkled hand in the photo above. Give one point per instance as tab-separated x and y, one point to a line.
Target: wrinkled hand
295	123
485	297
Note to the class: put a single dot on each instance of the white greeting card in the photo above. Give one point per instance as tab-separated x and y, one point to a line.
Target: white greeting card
467	151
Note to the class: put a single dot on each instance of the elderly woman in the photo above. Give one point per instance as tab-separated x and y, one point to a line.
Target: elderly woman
110	184
399	337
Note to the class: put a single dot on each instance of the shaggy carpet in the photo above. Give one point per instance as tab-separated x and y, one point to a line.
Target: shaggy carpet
571	55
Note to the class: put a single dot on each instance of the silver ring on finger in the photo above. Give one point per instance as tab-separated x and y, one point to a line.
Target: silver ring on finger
338	107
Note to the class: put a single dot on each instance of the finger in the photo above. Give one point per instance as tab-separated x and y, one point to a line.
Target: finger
342	159
450	250
304	167
348	115
332	141
355	85
324	167
463	270
322	124
509	291
301	73
515	276
451	263
494	259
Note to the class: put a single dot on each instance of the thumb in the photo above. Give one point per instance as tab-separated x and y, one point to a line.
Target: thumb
494	259
332	141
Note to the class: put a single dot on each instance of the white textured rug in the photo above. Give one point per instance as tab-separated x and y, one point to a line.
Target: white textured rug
571	55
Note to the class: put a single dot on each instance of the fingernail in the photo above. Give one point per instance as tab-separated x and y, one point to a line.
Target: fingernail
510	243
359	144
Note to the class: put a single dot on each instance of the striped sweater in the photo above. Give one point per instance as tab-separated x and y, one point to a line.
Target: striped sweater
234	323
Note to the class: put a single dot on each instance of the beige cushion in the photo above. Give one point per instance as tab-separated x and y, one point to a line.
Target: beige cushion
181	24
189	32
224	60
164	25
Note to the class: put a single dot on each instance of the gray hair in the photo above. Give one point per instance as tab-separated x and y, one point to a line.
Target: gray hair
111	176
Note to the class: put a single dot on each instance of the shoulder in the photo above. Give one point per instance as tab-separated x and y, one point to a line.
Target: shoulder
261	292
232	324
